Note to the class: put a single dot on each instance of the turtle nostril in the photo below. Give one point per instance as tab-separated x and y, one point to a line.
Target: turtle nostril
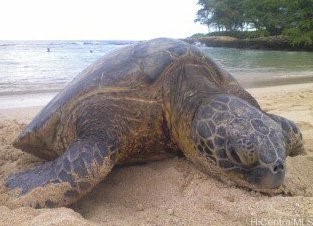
278	166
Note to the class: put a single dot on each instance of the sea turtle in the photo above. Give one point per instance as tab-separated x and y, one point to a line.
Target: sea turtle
148	101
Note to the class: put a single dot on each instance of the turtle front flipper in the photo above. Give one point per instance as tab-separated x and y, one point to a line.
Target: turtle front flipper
292	135
64	180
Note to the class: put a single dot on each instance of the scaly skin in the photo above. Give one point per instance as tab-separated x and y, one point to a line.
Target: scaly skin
146	102
224	134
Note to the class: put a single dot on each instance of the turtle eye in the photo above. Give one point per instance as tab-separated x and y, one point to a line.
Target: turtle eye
242	152
248	157
233	154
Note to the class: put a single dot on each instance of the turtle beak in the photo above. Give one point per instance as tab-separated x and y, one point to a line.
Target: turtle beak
267	177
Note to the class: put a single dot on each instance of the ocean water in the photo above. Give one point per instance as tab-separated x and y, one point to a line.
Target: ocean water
26	67
265	62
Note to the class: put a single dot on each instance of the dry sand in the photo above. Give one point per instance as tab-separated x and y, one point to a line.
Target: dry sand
174	192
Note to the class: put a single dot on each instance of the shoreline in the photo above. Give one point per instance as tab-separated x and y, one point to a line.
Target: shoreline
248	81
29	92
37	98
25	100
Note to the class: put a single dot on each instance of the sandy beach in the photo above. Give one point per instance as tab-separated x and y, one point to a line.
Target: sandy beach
174	192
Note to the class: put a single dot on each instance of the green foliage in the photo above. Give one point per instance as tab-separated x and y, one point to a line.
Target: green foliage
298	37
258	33
266	14
199	35
221	14
300	18
235	34
292	18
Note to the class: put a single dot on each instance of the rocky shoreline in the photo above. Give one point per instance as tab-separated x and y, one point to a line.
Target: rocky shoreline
267	43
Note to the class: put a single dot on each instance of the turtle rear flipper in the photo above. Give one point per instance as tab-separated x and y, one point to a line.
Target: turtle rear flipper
64	180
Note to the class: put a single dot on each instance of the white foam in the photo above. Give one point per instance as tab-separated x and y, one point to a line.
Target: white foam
25	100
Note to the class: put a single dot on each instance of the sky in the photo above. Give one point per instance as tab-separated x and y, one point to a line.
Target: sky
97	19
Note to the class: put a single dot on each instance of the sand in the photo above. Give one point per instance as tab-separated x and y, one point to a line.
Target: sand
174	192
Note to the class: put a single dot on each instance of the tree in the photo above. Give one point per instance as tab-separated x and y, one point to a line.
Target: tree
293	18
270	15
300	18
222	14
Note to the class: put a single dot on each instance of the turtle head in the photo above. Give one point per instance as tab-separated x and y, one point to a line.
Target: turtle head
242	143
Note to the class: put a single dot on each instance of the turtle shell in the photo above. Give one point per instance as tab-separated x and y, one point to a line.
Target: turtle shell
128	67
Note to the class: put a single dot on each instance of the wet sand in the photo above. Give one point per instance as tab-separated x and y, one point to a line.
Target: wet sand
174	192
